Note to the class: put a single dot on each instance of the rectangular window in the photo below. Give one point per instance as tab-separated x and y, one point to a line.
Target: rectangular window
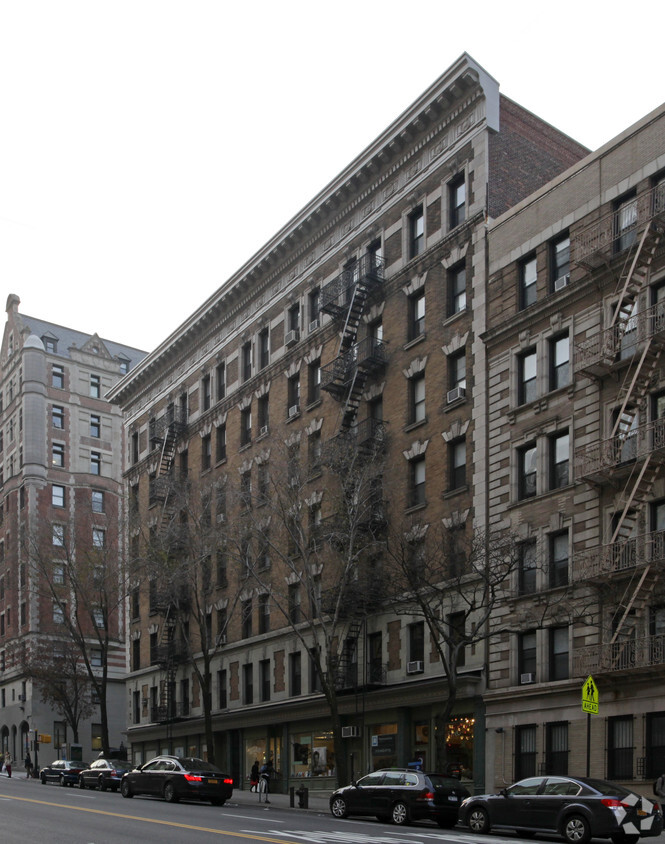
206	452
528	277
248	684
295	674
417	641
417	481
314	300
264	348
625	222
559	460
655	742
264	680
246	360
58	495
220	380
556	749
58	535
58	417
95	426
456	376
294	603
95	463
313	381
220	443
98	537
620	747
246	489
527	568
527	660
58	376
263	485
417	398
559	648
416	323
222	568
527	377
525	752
206	393
245	426
221	688
457	193
457	463
246	618
559	362
314	452
293	396
264	414
58	454
95	387
527	471
559	559
97	500
560	262
416	233
457	289
264	613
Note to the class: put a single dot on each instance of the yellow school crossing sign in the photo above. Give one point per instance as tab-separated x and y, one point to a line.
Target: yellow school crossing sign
590	696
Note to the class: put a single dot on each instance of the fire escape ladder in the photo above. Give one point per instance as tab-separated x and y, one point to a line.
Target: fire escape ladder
638	272
638	488
167	652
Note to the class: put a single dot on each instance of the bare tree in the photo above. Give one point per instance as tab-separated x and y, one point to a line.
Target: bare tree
79	579
63	683
465	585
311	550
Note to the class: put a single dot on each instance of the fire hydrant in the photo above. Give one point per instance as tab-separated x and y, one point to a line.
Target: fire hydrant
302	793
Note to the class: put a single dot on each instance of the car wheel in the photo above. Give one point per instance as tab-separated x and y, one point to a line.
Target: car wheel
338	807
126	789
43	779
62	781
479	820
576	830
400	813
169	793
81	783
102	784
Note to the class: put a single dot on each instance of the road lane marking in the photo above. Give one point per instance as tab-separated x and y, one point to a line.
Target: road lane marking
251	836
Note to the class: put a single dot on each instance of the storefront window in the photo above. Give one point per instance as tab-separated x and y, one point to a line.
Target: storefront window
312	755
459	744
384	746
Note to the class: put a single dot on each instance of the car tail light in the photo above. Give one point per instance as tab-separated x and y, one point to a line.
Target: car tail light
614	803
228	781
192	778
425	795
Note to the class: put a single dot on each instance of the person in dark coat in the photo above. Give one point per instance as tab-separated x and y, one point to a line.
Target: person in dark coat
28	765
254	777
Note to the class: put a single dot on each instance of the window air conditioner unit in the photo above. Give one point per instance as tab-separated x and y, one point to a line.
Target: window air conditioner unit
527	678
294	410
562	281
350	732
291	338
263	430
455	394
415	667
314	324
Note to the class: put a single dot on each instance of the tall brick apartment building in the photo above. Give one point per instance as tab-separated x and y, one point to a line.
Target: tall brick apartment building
575	403
361	318
61	498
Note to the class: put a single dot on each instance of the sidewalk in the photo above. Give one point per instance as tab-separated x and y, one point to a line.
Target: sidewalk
318	801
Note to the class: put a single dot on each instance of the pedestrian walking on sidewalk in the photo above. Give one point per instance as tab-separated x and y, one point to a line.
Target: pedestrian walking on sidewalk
267	770
8	764
28	765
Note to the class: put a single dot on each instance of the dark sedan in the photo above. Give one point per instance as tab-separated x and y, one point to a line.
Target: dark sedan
177	777
104	774
62	771
577	808
401	795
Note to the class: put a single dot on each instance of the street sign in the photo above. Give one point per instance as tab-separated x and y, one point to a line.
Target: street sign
590	696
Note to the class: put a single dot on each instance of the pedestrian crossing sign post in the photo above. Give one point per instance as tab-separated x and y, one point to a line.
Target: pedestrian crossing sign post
590	696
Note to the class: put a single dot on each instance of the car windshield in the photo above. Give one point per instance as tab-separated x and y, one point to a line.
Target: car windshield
192	764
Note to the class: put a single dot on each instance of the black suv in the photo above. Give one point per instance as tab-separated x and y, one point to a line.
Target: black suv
401	795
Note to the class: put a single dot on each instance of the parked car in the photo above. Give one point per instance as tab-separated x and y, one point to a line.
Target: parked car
577	808
401	795
104	773
176	777
62	771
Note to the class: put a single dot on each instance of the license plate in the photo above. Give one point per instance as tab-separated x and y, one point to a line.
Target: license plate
212	782
453	797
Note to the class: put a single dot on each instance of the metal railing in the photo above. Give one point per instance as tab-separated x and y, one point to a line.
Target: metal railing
618	557
336	295
609	454
622	655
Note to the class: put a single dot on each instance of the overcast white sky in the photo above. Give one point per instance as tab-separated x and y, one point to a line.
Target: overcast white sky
148	148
